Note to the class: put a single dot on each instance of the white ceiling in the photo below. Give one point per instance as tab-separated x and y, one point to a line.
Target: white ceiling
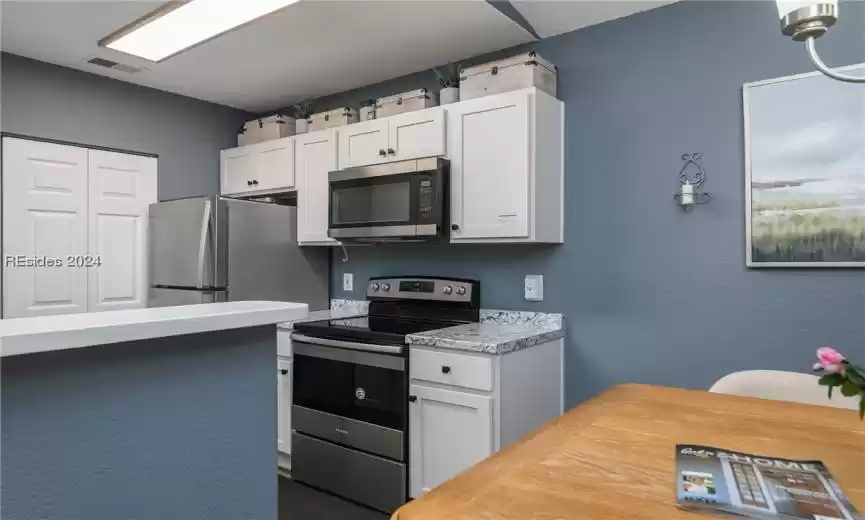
309	49
552	17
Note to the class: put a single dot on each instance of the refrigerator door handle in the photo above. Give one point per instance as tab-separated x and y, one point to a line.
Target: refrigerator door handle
202	245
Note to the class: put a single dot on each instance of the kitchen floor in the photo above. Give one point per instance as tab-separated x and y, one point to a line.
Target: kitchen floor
300	502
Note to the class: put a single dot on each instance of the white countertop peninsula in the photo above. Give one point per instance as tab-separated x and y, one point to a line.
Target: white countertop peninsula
68	331
160	396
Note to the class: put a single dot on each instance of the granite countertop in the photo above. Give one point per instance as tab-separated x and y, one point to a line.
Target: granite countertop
499	332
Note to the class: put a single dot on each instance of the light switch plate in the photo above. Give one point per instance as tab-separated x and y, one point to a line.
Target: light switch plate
347	282
534	287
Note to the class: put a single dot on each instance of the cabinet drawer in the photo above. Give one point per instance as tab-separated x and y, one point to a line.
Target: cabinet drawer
452	369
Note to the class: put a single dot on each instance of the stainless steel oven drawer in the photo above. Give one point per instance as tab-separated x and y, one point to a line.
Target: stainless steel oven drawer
373	481
349	432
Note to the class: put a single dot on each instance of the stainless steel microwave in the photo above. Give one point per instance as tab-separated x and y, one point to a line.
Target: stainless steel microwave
398	201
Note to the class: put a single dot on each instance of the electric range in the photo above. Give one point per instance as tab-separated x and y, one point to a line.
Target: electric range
350	387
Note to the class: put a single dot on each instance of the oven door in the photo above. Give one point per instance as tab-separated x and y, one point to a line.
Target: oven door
350	394
407	199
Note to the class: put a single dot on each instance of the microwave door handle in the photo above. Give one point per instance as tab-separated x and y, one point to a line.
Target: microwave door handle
202	244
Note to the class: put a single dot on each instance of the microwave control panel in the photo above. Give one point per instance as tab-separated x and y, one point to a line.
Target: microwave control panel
426	199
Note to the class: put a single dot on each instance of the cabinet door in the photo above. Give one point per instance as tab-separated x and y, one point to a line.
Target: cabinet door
122	187
315	157
44	216
448	433
274	164
417	134
489	147
363	143
283	412
237	170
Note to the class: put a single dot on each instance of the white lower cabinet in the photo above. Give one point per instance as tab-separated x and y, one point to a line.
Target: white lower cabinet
284	366
283	386
449	432
463	407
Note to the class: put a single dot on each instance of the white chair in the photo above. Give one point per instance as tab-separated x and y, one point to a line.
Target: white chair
782	386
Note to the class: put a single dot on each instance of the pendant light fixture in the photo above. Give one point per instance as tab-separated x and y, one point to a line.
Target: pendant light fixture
805	21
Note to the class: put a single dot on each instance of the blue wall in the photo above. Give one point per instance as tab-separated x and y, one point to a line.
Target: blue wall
174	428
651	294
50	101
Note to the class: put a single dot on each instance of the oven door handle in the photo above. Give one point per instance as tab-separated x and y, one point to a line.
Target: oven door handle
366	347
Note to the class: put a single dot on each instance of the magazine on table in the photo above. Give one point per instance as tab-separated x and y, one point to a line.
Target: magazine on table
721	481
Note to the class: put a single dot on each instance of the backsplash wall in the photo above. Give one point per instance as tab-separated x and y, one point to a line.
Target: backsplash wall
652	294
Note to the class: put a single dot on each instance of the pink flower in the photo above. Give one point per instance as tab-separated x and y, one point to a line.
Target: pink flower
830	360
829	356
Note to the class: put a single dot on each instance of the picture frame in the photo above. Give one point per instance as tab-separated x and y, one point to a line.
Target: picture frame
804	171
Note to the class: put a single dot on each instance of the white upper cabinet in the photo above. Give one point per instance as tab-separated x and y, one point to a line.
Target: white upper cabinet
44	215
86	209
507	168
237	170
416	134
506	151
396	138
315	157
266	167
122	187
274	164
361	144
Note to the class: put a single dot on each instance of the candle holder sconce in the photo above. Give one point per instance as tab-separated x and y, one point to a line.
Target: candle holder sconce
689	194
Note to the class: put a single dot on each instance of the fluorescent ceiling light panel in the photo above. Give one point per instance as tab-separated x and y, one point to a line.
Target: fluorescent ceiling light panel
171	29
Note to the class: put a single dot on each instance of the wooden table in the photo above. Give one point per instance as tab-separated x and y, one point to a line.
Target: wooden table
613	457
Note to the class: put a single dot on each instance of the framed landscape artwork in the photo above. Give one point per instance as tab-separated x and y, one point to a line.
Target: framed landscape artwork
805	171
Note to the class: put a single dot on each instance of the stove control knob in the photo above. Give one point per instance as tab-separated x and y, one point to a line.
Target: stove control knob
447	289
385	287
374	287
461	290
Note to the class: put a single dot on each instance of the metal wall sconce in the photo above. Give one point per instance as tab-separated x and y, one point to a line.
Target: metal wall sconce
689	194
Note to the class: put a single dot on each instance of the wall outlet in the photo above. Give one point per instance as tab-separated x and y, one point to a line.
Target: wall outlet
347	282
535	287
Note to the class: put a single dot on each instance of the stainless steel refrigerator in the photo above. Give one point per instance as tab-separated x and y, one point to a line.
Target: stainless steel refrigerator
213	249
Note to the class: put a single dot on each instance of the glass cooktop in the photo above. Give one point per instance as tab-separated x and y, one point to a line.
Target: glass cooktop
371	329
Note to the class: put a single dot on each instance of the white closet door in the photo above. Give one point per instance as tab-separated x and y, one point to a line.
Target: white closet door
44	217
122	187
